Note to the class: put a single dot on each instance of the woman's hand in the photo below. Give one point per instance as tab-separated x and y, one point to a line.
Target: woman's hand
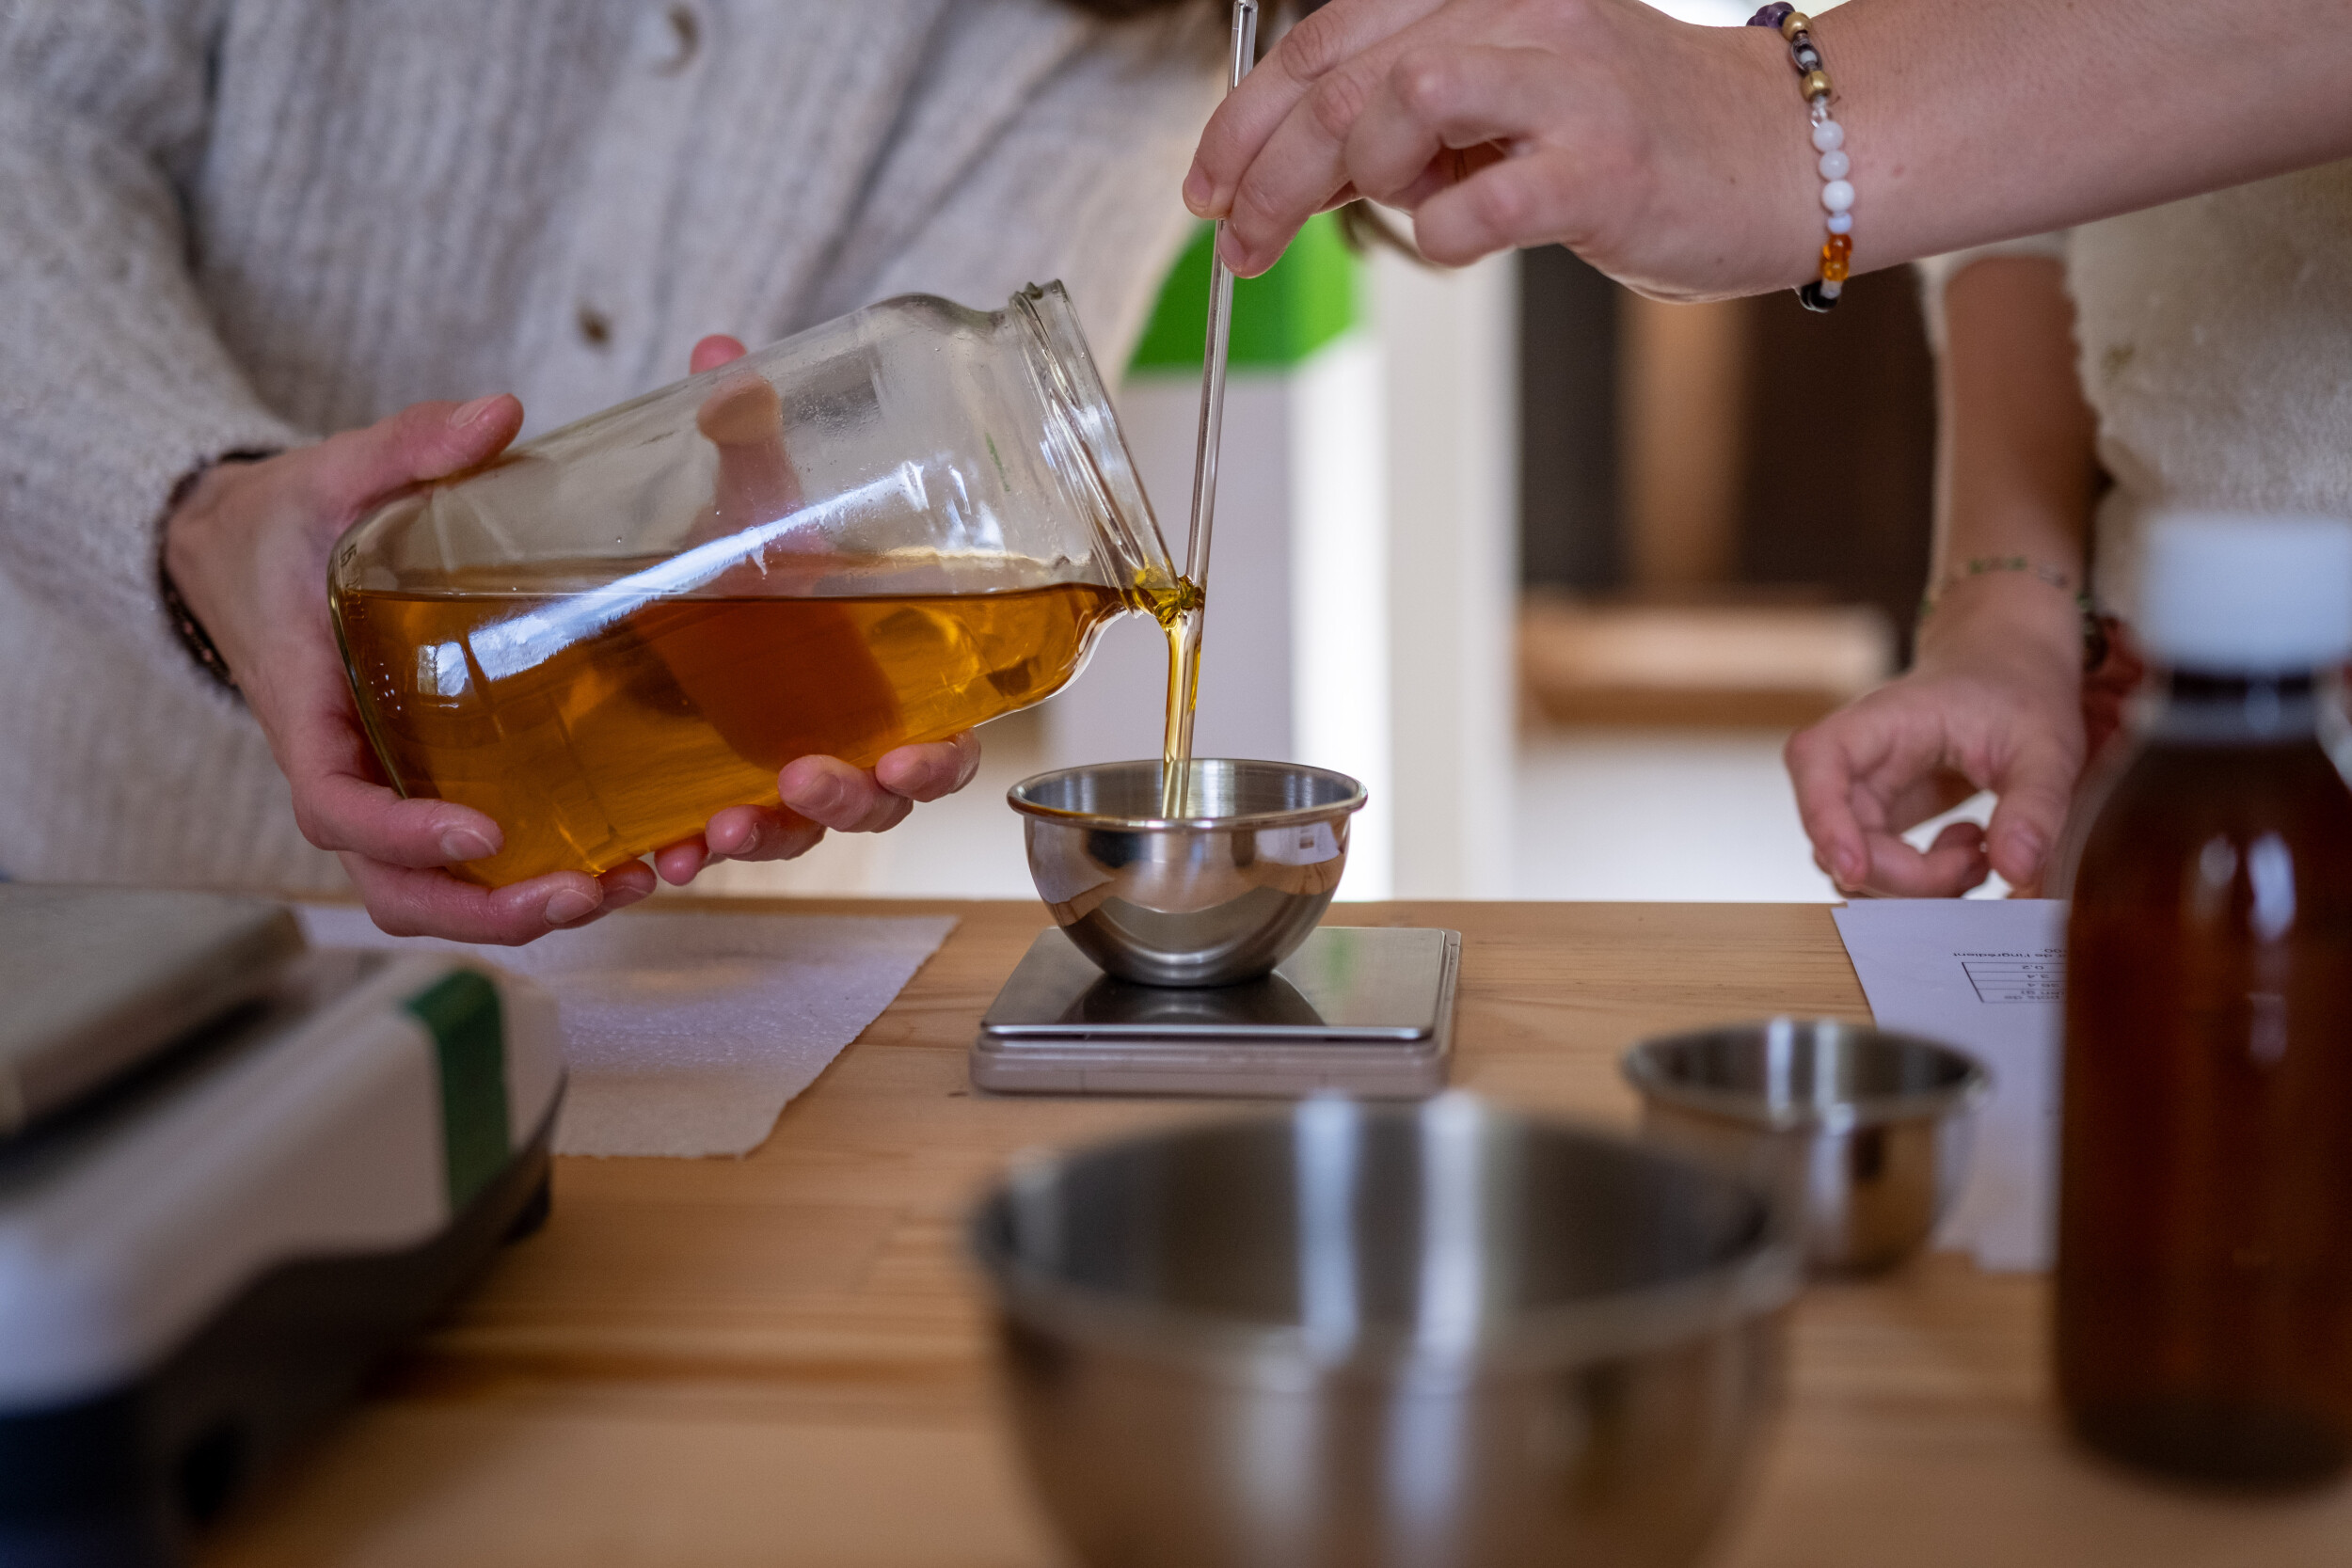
1994	701
248	551
1672	157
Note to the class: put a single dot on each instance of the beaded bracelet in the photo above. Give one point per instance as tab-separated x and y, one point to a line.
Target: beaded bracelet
1829	140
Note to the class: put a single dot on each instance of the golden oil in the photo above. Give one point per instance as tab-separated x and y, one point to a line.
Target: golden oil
1176	605
593	727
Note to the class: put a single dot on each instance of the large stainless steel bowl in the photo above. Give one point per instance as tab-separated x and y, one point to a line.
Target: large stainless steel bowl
1208	899
1865	1133
1348	1337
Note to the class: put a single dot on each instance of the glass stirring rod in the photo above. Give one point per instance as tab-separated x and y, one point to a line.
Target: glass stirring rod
1176	781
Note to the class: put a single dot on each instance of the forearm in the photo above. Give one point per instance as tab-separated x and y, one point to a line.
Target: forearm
2015	471
2000	118
112	381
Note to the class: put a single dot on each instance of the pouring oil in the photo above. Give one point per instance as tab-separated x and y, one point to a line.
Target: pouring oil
1177	608
594	729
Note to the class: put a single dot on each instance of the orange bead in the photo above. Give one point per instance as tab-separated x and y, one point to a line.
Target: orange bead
1841	246
1833	269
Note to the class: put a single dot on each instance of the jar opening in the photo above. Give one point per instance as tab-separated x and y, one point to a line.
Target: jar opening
1086	448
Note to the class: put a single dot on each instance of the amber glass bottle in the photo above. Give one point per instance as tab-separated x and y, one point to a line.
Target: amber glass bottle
2205	1269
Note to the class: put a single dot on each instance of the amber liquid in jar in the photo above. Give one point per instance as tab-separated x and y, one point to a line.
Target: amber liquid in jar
2204	1272
593	727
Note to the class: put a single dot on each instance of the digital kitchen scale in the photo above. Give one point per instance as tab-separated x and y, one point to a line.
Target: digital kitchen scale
232	1174
1363	1010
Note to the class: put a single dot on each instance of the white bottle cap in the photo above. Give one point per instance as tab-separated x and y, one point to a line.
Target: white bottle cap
2234	593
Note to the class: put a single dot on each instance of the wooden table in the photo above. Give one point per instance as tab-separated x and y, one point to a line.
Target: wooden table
782	1360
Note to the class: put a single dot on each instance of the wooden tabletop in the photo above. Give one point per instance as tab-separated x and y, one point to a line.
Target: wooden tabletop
782	1360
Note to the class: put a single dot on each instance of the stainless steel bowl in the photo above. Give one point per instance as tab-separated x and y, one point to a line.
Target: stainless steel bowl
1209	899
1346	1336
1866	1133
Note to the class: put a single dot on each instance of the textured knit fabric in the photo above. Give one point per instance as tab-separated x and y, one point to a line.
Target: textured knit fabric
233	224
2215	348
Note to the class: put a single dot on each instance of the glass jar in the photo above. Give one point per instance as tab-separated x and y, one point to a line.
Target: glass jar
882	531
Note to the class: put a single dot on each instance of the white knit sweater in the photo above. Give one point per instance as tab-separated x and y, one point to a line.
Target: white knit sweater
2215	339
232	224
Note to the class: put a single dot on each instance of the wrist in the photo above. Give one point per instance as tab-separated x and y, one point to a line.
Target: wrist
188	550
2002	616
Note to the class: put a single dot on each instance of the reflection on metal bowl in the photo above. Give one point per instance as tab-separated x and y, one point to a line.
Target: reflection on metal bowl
1348	1336
1865	1133
1205	901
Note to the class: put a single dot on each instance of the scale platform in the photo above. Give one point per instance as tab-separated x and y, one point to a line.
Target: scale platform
1360	1010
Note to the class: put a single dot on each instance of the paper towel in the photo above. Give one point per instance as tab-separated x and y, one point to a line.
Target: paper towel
687	1031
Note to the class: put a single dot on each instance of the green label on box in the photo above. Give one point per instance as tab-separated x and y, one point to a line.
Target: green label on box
462	1013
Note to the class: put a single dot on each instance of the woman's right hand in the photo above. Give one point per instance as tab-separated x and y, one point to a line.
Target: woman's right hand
1671	156
1992	702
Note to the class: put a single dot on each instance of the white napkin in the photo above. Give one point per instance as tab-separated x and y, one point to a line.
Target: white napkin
686	1032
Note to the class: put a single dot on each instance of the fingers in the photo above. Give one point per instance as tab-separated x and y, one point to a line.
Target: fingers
342	811
1274	154
630	883
927	772
1948	868
1860	777
2035	793
1237	134
761	833
423	441
1509	202
680	863
407	902
714	351
1823	775
830	792
1302	167
1433	99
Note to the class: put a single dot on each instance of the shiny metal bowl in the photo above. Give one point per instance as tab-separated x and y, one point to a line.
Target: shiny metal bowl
1864	1134
1209	899
1403	1336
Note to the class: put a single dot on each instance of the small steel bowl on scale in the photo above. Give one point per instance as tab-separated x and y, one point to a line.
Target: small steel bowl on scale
1443	1335
1219	895
1866	1133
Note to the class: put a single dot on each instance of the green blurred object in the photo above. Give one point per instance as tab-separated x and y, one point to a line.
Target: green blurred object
1307	299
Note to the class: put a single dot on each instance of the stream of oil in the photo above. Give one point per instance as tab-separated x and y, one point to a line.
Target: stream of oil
1176	605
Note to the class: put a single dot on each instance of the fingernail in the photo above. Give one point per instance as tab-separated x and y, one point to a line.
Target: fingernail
1231	249
569	904
469	412
466	844
823	796
1198	190
2028	844
1851	869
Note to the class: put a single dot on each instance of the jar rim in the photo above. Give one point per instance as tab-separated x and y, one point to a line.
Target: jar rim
1087	450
